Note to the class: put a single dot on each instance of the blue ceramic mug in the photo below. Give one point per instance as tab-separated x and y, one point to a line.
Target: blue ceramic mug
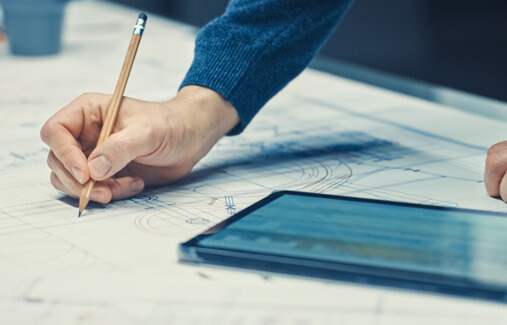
34	27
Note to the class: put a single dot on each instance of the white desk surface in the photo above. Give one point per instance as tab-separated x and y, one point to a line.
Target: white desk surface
118	263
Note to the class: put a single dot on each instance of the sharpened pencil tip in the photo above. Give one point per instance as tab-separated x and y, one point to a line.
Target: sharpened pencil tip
79	215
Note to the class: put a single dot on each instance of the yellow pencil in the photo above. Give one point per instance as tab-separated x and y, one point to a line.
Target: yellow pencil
114	106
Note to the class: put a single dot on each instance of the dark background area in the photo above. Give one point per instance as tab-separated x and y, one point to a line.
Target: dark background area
460	44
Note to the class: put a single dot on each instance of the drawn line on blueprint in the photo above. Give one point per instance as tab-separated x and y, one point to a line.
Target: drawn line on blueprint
386	193
39	237
394	124
433	175
229	203
173	220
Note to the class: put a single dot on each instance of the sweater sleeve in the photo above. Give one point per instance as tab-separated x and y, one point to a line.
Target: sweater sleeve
257	47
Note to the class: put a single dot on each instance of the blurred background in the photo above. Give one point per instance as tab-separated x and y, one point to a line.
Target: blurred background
460	44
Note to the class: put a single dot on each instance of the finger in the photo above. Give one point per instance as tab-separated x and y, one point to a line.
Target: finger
116	189
58	184
118	150
64	176
80	119
496	167
503	188
101	192
124	187
68	152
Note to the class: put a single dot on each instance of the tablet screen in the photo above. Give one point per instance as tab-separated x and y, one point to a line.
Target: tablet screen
465	244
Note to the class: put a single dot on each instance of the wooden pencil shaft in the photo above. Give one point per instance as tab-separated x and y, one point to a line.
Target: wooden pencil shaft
114	105
84	198
112	111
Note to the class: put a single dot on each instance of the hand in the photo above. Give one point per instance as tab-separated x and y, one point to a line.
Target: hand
495	173
151	143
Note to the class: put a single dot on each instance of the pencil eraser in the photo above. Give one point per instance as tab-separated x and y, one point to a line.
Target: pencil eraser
143	16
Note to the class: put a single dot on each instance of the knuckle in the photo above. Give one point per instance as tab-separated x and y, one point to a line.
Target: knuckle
85	96
46	131
85	99
50	161
54	180
115	187
64	155
494	157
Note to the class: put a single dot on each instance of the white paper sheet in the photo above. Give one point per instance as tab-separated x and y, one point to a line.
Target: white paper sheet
118	263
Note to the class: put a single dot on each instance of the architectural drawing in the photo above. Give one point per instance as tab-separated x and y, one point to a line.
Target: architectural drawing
322	134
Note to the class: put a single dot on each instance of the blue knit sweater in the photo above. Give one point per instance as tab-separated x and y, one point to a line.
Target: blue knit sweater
257	47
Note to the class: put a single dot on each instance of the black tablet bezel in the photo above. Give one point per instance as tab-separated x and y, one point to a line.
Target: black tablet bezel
192	252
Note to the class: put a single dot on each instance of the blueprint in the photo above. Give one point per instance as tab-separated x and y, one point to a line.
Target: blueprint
323	134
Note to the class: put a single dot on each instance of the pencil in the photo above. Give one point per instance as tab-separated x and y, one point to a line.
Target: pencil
114	106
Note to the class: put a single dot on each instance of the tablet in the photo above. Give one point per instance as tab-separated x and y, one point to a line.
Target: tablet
438	249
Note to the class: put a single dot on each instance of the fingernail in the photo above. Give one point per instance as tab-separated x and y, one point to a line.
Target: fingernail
136	186
78	174
100	166
98	196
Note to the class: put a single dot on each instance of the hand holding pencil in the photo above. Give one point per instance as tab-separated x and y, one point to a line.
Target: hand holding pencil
141	144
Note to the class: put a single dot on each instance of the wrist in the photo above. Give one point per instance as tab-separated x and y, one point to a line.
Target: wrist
207	116
209	110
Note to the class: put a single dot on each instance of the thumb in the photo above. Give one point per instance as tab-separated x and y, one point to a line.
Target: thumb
115	153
